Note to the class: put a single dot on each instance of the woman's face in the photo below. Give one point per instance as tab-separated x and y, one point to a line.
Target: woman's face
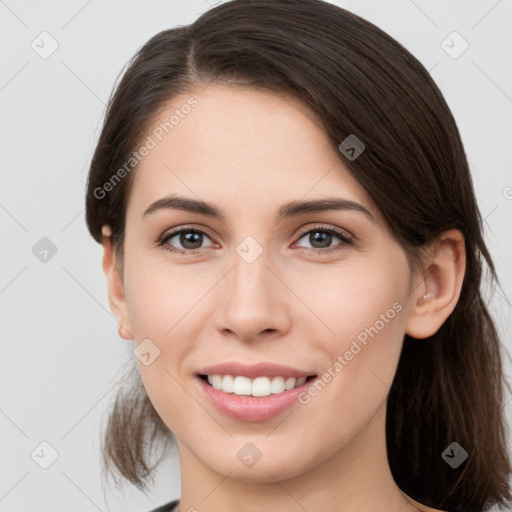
263	285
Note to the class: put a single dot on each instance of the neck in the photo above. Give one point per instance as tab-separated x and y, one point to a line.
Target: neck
355	477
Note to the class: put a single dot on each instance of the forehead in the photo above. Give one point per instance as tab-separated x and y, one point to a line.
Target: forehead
241	147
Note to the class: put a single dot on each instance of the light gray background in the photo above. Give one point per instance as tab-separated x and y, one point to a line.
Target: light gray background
61	354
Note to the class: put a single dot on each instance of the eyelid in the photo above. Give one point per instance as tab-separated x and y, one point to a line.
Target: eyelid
183	227
325	227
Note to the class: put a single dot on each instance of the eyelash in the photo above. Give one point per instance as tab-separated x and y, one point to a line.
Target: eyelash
346	240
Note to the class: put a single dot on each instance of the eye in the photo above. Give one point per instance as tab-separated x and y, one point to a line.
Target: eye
190	239
321	238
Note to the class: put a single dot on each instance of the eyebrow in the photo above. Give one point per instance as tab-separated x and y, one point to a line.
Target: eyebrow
287	210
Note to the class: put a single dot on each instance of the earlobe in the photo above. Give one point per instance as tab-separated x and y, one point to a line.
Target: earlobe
116	296
435	296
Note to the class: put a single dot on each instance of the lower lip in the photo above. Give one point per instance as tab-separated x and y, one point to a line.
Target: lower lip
252	408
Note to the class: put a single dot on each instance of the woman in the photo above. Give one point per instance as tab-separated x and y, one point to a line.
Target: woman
291	239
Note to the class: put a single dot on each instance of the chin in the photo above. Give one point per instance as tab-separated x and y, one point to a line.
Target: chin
263	471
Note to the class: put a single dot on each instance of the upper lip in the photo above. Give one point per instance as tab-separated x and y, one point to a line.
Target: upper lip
253	370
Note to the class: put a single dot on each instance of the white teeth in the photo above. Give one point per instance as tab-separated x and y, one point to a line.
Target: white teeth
217	381
277	385
260	386
241	386
290	383
300	381
228	384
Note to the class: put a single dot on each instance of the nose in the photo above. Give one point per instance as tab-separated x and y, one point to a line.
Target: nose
253	302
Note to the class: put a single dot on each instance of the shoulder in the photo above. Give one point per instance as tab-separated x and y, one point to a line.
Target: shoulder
424	508
168	507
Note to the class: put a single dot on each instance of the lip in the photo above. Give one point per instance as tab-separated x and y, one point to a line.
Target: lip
252	408
263	369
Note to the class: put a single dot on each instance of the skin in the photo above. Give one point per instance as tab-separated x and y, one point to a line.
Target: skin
248	152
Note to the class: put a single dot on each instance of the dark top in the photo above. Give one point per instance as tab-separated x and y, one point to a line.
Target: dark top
167	507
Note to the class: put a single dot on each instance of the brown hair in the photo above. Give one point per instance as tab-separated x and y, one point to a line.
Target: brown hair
358	80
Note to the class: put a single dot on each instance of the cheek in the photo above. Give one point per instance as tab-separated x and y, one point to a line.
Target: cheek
160	311
351	298
161	298
163	305
364	310
366	314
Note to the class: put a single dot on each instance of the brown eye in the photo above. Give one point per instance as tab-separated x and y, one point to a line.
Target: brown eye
191	240
322	237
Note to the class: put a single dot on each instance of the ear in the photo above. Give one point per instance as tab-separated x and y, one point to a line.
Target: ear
437	291
116	296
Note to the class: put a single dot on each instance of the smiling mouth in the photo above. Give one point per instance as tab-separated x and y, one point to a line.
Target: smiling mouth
257	387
